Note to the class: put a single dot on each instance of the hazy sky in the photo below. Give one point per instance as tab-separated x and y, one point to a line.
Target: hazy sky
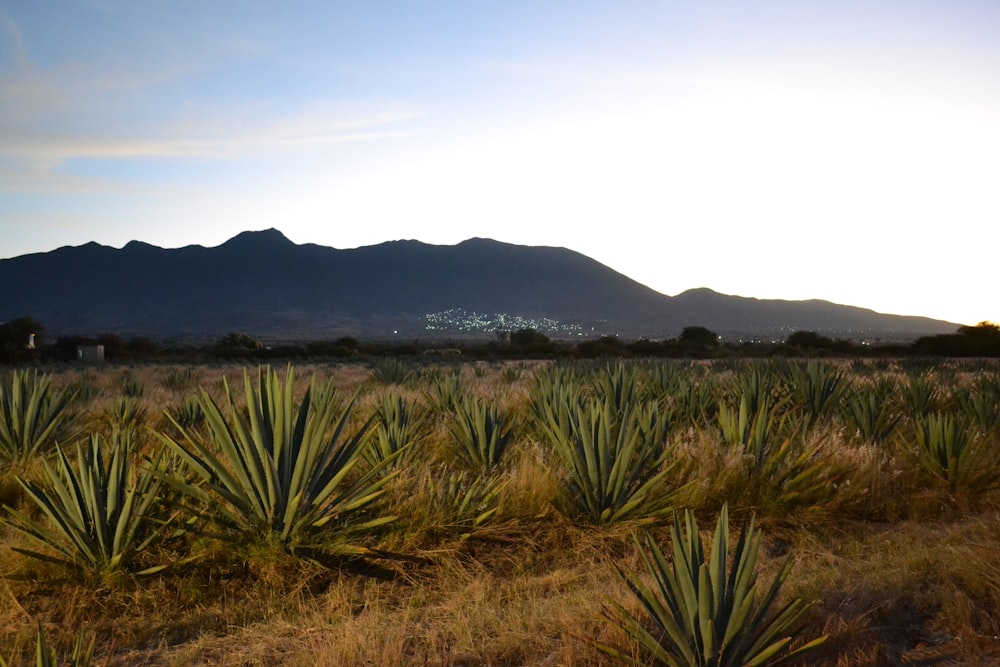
847	151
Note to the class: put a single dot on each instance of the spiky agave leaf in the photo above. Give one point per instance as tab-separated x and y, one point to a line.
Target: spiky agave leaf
701	612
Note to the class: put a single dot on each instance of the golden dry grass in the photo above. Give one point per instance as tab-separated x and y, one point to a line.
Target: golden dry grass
899	574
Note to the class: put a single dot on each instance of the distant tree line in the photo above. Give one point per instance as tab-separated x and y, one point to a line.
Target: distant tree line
982	340
22	340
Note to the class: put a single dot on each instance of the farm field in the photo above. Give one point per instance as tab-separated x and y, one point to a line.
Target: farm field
421	512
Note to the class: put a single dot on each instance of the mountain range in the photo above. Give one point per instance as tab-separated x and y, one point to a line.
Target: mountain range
263	284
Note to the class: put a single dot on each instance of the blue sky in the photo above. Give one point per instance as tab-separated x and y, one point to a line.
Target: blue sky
845	151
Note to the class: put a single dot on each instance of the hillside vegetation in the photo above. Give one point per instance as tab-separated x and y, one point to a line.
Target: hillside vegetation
421	512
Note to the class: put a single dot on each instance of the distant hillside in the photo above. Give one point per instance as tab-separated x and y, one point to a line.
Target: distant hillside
262	283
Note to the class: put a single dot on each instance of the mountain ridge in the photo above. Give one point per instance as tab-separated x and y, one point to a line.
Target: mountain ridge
262	282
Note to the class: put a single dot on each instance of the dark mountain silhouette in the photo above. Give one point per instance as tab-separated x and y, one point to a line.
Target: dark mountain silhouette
262	283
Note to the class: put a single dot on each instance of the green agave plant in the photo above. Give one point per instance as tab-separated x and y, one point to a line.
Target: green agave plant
694	400
445	393
279	472
618	384
616	462
187	413
754	431
781	473
921	394
872	415
391	370
818	387
759	384
981	408
45	656
465	502
100	511
398	428
702	612
125	413
482	433
946	447
664	379
33	416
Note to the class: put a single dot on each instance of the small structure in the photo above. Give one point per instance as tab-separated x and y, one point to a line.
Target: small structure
90	354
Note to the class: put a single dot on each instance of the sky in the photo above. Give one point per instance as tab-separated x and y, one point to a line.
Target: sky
846	151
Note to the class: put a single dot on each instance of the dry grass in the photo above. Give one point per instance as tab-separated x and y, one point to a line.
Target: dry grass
900	573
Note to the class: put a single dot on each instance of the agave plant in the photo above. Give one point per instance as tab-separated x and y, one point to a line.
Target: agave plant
277	472
510	374
445	393
981	408
921	394
33	416
100	512
391	371
130	386
946	447
45	656
758	384
178	379
694	400
616	462
619	385
482	433
188	413
399	427
465	502
702	612
818	388
664	379
124	413
754	431
780	472
872	415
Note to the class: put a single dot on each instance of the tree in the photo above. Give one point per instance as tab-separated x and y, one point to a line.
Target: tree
605	346
529	340
699	337
114	346
238	345
809	340
982	340
985	332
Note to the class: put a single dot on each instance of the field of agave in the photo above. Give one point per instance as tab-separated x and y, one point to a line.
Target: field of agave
502	514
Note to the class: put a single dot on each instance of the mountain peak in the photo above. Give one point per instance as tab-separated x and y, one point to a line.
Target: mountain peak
259	239
136	246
